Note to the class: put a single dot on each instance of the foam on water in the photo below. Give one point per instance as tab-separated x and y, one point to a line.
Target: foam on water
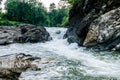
90	65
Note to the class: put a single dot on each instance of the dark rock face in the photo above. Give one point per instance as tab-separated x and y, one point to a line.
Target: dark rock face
26	27
23	33
32	33
81	17
11	66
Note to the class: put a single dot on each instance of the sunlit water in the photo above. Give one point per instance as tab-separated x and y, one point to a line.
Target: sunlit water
64	61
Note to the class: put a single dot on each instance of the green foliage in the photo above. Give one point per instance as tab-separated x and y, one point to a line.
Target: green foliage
65	21
8	23
58	16
0	4
2	15
32	12
27	12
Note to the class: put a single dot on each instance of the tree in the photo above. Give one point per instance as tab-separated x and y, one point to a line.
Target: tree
63	4
0	7
28	11
72	2
33	12
57	16
52	6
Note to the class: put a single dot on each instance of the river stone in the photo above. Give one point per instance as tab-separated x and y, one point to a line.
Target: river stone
26	27
8	34
33	34
23	33
11	66
105	31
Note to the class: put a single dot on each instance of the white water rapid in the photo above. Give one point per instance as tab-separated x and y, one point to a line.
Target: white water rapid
66	61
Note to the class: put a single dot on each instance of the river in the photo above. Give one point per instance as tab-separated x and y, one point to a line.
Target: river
66	61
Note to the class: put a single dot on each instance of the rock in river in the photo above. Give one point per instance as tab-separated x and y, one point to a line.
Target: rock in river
105	31
11	66
83	15
8	34
22	34
32	33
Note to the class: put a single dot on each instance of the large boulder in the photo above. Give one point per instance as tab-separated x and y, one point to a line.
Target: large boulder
105	31
8	34
22	34
26	27
83	14
32	33
11	66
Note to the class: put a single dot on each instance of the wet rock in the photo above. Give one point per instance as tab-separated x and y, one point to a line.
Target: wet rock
105	31
82	15
32	33
11	66
22	34
8	34
58	32
26	27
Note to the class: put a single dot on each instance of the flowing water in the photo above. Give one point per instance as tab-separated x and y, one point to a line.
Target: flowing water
64	61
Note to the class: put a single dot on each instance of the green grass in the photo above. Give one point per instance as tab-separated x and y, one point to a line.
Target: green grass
8	23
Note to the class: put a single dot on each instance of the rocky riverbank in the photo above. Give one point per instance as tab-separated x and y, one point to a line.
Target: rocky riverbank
96	24
11	66
23	33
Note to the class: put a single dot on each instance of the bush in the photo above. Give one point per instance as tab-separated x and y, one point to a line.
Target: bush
8	23
27	12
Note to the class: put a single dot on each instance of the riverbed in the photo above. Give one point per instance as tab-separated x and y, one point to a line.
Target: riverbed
64	61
